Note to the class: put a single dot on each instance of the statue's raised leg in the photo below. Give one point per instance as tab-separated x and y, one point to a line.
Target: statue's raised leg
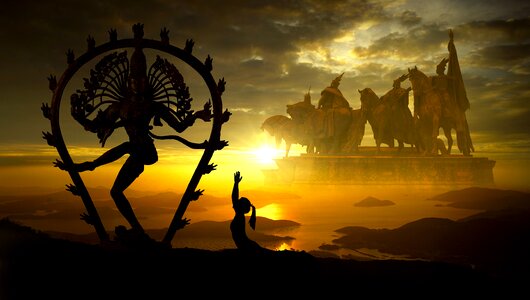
106	158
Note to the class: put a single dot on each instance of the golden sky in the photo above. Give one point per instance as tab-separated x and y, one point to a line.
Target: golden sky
269	53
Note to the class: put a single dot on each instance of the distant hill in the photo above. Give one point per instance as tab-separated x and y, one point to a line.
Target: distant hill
63	208
208	230
497	240
64	205
485	199
373	202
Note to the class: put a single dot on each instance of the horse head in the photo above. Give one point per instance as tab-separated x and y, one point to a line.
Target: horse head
397	82
300	110
416	76
368	99
418	80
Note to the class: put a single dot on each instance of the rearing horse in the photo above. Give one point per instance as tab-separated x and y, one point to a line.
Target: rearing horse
427	110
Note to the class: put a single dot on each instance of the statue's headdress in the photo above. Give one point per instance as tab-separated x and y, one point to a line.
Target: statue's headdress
138	67
334	87
307	96
335	83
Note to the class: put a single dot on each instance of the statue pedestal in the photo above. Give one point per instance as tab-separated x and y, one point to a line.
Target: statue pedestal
387	167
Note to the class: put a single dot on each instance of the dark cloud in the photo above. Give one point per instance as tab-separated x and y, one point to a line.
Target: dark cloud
511	31
458	12
498	77
505	56
226	27
255	47
419	42
37	35
377	76
409	18
503	44
521	69
499	106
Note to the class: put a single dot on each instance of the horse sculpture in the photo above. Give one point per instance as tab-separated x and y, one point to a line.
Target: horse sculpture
401	120
294	130
378	115
386	122
334	127
427	111
283	128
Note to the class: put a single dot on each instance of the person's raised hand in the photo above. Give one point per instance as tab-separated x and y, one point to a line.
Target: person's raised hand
237	177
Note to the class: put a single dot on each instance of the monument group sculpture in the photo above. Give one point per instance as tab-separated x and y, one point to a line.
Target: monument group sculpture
332	131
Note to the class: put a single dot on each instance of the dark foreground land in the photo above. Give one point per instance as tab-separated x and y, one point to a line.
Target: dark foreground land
36	266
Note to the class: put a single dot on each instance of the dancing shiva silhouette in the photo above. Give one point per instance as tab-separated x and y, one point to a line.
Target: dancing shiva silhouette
125	93
134	113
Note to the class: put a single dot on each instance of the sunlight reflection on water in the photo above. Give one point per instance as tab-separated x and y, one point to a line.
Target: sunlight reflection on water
323	209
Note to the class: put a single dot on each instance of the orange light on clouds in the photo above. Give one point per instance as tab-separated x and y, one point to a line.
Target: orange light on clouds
33	166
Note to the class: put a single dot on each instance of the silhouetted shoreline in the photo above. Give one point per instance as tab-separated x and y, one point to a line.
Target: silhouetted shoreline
476	256
36	265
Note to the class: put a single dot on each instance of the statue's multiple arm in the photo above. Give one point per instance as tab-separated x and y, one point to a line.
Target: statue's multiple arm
106	122
103	124
165	114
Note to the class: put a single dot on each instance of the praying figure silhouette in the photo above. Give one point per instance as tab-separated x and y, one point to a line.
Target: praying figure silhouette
241	207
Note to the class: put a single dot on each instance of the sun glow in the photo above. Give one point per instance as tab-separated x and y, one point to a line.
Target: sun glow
272	211
335	56
266	154
284	246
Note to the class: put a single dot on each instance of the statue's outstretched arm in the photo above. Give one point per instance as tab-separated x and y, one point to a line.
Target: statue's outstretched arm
205	114
104	118
105	123
164	113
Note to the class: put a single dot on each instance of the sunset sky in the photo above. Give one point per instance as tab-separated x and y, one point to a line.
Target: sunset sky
270	53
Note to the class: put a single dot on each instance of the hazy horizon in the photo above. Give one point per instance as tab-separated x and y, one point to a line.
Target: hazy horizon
175	166
320	209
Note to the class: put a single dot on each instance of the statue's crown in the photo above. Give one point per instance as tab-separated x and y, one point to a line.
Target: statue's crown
335	83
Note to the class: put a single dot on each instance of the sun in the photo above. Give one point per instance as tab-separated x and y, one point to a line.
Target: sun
266	154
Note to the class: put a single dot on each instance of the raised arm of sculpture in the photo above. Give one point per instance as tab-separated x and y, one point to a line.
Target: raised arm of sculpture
165	114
